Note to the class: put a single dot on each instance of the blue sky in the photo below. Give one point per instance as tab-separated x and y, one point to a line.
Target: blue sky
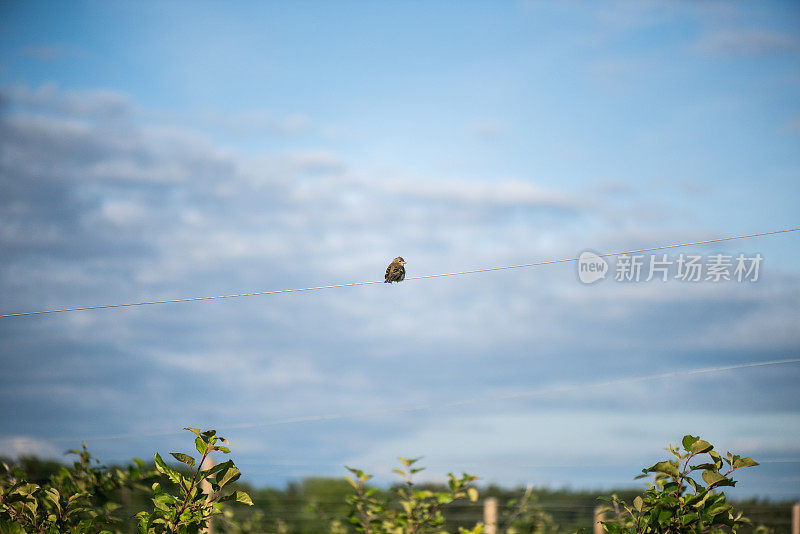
153	151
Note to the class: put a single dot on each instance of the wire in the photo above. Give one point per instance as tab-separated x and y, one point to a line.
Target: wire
536	264
462	402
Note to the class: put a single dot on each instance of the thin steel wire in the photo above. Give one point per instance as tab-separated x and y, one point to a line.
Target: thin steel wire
490	269
223	428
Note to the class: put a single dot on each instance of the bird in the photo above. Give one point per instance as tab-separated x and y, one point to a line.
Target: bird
395	272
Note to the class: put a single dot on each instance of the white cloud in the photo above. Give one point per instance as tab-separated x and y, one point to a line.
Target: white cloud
316	161
124	169
252	370
505	193
504	445
95	103
253	122
17	446
123	212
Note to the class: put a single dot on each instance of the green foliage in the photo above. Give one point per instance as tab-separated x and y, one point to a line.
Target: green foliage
48	497
412	510
677	501
524	515
190	509
74	500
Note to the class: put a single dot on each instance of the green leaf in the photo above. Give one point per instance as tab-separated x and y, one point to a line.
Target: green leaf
712	477
703	466
700	446
638	503
668	467
162	467
238	496
693	483
444	498
185	458
409	461
145	522
744	462
215	468
689	440
227	475
163	501
53	495
244	498
27	489
719	508
698	500
472	493
664	516
669	499
356	472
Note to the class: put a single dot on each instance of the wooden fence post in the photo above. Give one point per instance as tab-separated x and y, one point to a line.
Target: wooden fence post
796	518
205	487
598	517
490	515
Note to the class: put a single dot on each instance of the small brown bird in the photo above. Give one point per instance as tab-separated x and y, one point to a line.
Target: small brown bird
395	272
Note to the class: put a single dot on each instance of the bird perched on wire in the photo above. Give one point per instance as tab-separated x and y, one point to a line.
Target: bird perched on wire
395	272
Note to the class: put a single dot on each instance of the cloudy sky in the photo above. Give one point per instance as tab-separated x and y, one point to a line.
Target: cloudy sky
153	151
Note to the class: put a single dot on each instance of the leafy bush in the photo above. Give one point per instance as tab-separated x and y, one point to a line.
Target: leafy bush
676	501
190	510
79	499
685	497
413	510
524	515
75	500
